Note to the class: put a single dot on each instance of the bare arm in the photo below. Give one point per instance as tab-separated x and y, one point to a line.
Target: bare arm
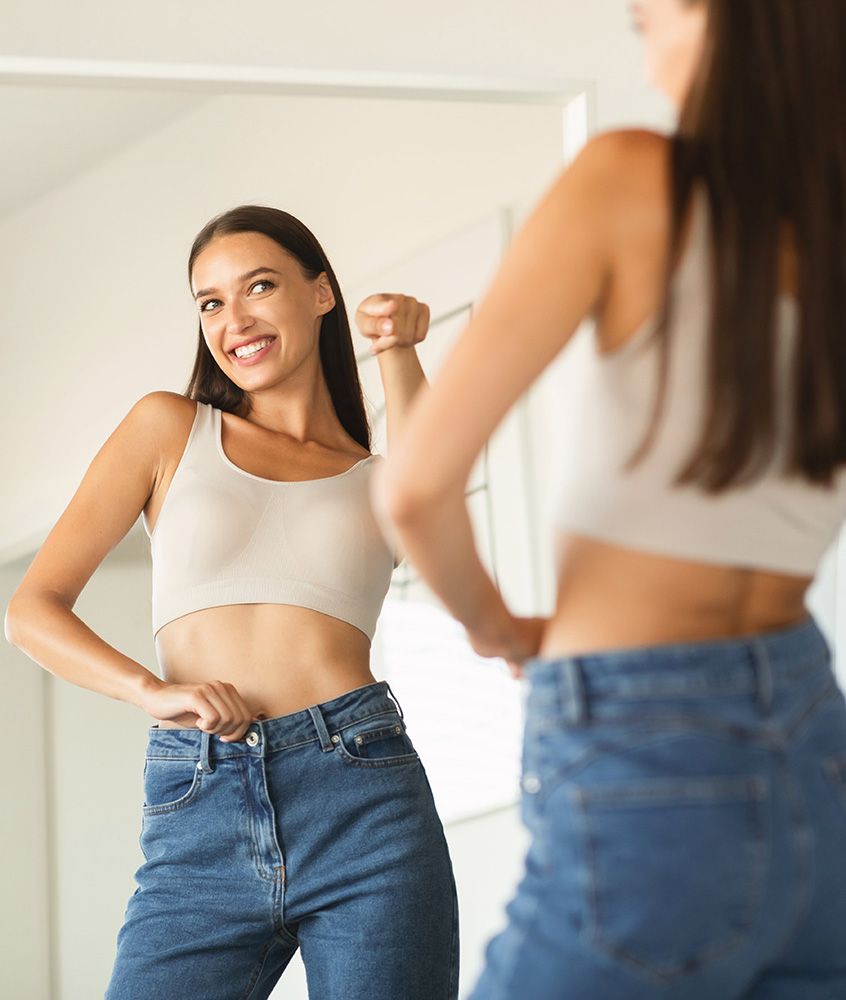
39	618
395	324
402	379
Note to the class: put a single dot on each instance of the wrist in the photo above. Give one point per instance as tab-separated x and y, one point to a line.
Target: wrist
494	625
143	686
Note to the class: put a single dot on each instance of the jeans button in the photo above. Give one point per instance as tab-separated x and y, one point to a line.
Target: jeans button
531	783
252	738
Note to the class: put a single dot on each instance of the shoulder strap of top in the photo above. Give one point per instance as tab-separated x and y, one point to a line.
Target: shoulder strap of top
201	439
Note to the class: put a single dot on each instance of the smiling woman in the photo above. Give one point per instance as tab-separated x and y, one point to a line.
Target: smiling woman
269	574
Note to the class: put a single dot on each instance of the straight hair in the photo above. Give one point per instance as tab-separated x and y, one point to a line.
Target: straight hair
764	130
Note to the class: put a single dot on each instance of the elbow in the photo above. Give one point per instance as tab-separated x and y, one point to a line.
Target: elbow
13	622
24	608
393	504
401	506
399	501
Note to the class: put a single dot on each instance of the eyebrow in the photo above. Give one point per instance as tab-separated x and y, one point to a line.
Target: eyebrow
249	274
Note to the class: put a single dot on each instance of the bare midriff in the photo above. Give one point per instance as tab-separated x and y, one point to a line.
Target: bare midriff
281	658
609	597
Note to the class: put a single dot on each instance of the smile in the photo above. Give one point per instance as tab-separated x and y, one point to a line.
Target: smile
254	352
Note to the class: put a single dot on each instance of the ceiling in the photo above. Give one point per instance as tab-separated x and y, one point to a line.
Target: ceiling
57	132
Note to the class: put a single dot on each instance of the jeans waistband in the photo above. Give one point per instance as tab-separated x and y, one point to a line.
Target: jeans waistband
318	723
756	665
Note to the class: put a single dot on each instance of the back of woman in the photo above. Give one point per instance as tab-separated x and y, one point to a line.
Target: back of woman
684	768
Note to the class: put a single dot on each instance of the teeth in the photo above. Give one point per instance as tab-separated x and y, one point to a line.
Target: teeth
245	352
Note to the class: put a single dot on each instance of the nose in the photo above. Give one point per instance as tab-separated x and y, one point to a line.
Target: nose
237	318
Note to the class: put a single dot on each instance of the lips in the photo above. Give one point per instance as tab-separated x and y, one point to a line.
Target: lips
246	343
257	356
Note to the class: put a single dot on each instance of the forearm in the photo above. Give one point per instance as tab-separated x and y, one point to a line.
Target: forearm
438	540
402	379
54	637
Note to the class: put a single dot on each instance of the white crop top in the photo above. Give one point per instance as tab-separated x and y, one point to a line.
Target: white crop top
778	523
226	536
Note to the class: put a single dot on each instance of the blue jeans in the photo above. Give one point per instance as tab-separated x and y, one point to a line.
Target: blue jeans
687	805
316	831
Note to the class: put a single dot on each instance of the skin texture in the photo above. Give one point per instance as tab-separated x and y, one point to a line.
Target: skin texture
605	224
223	666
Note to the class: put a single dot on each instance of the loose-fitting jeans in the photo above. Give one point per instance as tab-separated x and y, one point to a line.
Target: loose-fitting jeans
687	805
316	830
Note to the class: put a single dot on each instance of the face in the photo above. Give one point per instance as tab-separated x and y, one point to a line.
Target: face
673	33
252	296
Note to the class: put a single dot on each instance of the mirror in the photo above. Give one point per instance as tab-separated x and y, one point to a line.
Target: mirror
411	190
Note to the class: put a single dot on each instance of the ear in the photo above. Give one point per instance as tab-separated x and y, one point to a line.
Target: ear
325	295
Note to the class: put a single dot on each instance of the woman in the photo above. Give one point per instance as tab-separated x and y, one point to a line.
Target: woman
685	747
285	805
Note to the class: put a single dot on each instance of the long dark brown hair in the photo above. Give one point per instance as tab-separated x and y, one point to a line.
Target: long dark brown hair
763	129
209	384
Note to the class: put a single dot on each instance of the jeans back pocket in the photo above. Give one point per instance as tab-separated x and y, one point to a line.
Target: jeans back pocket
675	869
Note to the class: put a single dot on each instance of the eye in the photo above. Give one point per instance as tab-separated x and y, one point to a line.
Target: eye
261	281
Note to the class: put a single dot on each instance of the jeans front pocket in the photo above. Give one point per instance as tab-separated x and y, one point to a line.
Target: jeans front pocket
380	741
676	868
170	783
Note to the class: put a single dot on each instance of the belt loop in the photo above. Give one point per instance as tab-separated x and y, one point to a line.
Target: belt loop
763	677
575	711
205	765
399	707
320	726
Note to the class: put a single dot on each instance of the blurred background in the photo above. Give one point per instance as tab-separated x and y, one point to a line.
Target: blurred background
412	142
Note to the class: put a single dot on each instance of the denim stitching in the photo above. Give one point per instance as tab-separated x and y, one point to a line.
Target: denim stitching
166	807
593	934
259	968
395	761
242	774
625	743
831	692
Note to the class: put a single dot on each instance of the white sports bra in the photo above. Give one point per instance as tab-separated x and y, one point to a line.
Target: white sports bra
226	536
779	523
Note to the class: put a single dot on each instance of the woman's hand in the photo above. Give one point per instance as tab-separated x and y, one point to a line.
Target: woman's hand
392	320
513	639
213	706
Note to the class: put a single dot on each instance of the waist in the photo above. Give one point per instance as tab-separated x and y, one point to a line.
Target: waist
611	596
287	730
640	682
279	658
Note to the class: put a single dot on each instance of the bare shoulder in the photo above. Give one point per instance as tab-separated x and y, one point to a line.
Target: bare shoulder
166	417
625	164
162	408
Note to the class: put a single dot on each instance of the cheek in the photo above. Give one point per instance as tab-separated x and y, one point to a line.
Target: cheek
668	58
